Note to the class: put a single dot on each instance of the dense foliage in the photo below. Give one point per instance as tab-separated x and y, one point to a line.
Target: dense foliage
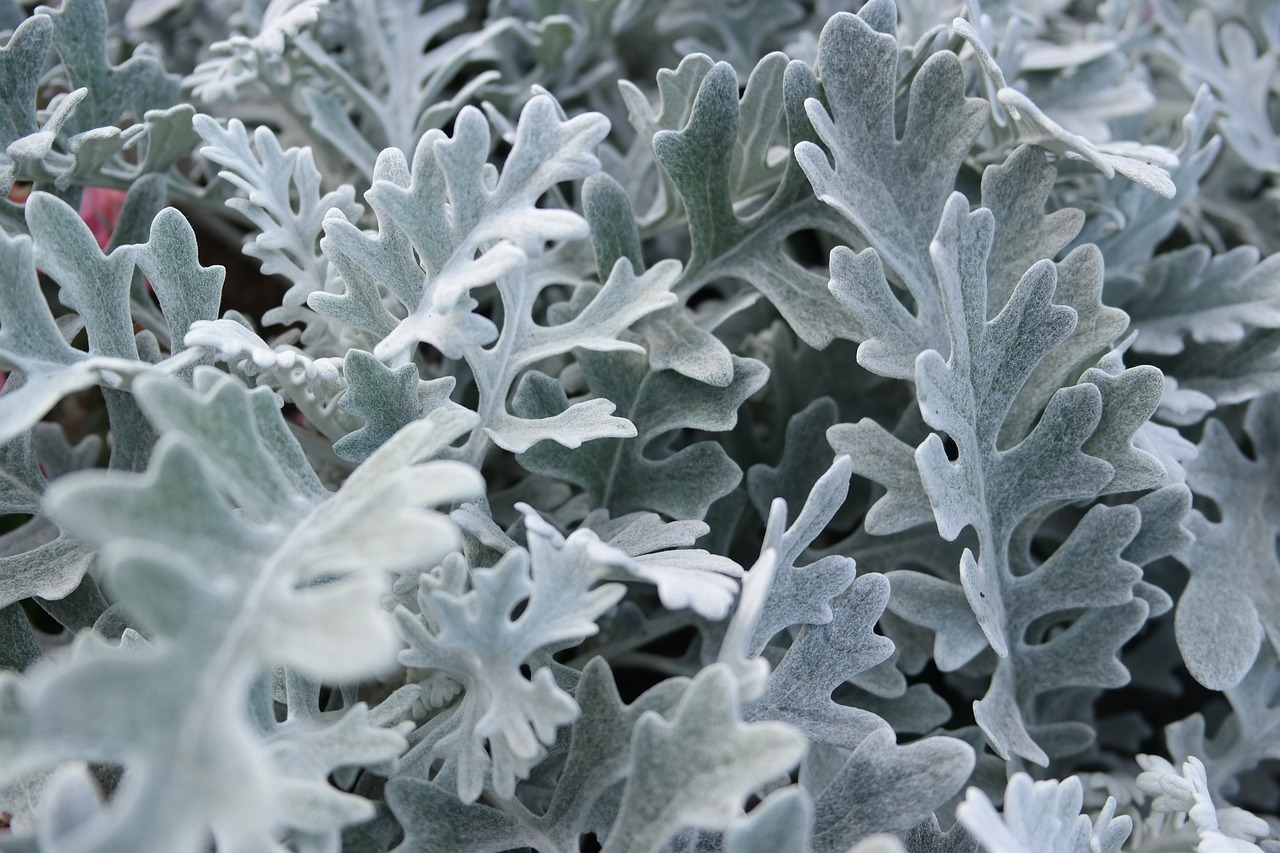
639	426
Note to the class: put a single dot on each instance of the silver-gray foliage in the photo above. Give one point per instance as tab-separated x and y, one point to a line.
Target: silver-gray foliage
640	426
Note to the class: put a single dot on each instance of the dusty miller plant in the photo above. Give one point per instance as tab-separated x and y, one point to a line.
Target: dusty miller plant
640	426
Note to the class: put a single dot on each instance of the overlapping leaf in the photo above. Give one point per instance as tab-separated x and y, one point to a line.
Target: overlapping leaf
505	719
451	206
1175	794
644	473
1144	164
891	189
676	90
1146	218
416	73
699	159
823	657
399	75
284	202
447	225
246	598
235	61
1192	294
1043	816
79	143
734	33
1247	737
21	61
700	766
387	400
1220	374
662	554
885	787
1230	607
234	559
969	397
597	328
98	287
1228	60
835	644
800	595
436	821
38	558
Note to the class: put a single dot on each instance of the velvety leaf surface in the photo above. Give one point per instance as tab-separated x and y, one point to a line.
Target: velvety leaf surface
474	639
98	287
700	766
545	318
37	558
1207	298
1043	816
435	820
284	203
197	557
618	473
883	787
1229	606
699	160
891	189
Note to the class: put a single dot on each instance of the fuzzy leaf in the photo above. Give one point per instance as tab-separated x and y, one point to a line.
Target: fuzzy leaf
700	767
80	35
1149	218
891	189
618	474
969	395
1209	299
614	232
805	458
1042	816
450	206
37	558
448	226
1223	374
803	594
883	787
435	821
822	658
188	292
781	824
314	385
1230	605
735	32
1229	61
287	228
1143	164
234	61
675	341
623	300
386	399
1244	739
699	161
474	639
676	92
226	600
21	62
1086	571
662	555
1017	192
880	456
98	286
414	82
